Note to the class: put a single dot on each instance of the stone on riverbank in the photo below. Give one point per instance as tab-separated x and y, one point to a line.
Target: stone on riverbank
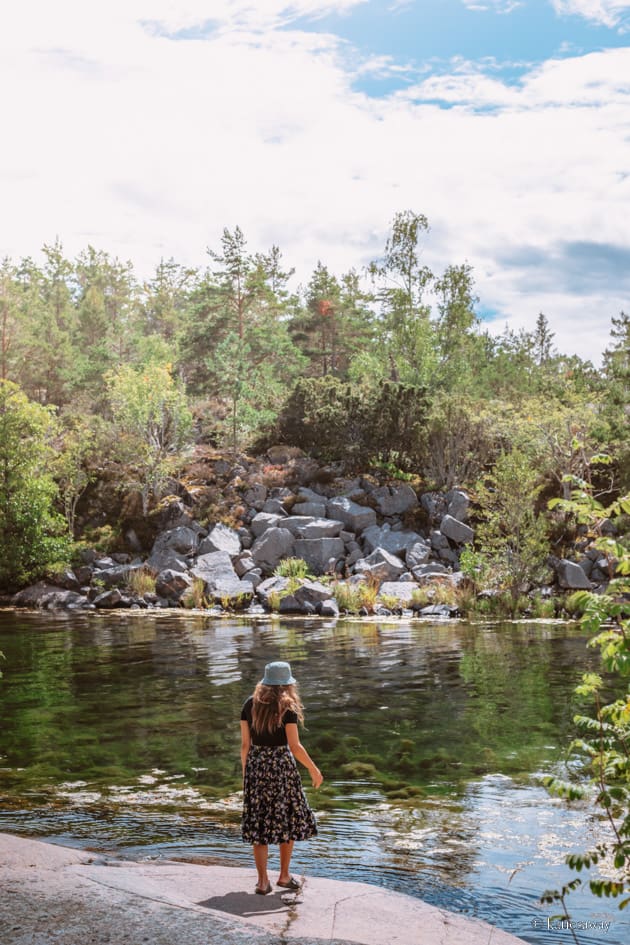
273	545
355	517
70	896
571	576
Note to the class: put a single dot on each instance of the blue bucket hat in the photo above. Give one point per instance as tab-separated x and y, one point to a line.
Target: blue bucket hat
278	674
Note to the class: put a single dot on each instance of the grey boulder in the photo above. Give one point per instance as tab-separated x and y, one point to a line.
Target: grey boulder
356	517
315	509
329	608
47	597
458	503
320	554
571	576
261	522
172	584
383	536
221	538
214	568
272	546
419	553
166	560
401	590
183	540
381	565
272	585
395	500
457	531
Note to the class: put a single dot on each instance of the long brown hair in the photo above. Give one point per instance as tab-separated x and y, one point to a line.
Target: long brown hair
270	704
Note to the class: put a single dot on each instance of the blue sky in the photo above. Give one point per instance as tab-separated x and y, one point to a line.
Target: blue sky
310	123
430	33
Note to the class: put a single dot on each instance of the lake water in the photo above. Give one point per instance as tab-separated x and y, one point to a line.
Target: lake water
121	732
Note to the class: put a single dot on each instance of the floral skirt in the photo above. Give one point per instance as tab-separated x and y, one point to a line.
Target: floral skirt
275	809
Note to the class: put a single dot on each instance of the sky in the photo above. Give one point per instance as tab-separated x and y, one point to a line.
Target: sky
144	127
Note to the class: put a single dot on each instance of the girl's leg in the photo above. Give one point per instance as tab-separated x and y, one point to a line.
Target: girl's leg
286	849
261	853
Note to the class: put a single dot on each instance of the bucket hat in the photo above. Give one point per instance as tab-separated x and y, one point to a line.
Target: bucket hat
278	674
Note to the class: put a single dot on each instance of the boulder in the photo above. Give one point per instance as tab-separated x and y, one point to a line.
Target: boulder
256	497
457	531
587	564
395	500
272	585
571	576
397	542
48	597
172	584
322	528
315	509
329	608
381	564
68	580
296	523
312	592
401	590
262	521
272	546
356	517
274	507
457	504
253	577
289	605
443	611
103	563
320	554
183	540
434	504
245	537
171	514
230	591
83	574
165	561
117	576
429	571
243	563
111	599
221	538
309	495
213	563
419	553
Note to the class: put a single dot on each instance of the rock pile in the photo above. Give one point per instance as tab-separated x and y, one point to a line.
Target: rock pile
349	533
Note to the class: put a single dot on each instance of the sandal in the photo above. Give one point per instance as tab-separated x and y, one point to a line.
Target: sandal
292	884
265	891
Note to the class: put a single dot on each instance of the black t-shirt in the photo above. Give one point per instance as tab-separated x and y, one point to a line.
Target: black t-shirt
270	739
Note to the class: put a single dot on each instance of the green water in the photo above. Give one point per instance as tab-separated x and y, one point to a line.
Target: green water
122	731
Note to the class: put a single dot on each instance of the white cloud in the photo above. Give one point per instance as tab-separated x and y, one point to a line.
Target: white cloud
499	6
146	146
606	12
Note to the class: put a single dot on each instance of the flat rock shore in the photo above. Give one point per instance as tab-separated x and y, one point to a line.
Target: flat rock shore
58	895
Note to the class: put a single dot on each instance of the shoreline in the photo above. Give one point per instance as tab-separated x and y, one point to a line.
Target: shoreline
73	896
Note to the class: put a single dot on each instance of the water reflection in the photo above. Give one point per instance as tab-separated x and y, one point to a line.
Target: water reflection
122	731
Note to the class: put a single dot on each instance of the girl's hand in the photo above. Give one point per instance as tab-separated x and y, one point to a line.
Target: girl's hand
317	777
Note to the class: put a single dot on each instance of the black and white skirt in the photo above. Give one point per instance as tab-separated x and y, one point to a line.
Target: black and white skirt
275	809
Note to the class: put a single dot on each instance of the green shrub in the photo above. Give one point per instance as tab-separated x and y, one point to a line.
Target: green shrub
141	582
293	568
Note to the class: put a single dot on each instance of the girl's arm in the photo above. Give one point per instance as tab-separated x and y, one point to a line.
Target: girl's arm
299	751
246	741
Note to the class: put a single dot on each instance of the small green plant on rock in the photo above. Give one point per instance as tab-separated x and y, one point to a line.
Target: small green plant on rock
141	582
293	568
195	595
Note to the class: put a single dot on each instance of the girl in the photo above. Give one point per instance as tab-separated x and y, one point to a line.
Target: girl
275	809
